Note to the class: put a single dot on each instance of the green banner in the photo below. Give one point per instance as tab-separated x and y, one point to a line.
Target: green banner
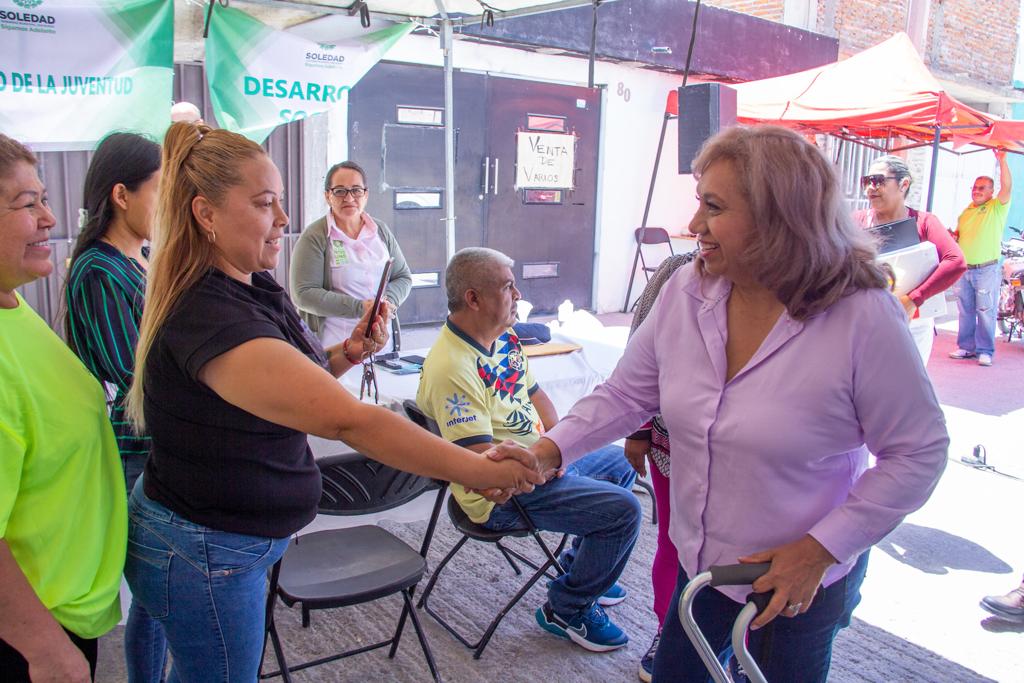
261	78
72	71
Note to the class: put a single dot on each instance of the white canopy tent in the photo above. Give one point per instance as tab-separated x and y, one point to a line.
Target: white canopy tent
444	16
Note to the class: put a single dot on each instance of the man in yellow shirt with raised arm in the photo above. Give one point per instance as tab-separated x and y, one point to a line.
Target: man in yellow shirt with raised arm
980	230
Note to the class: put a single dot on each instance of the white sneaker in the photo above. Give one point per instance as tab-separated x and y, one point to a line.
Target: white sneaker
984	359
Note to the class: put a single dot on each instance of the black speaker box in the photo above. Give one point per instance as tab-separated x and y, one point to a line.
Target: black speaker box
704	110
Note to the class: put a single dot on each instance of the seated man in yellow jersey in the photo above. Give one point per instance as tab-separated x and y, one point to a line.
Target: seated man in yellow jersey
476	384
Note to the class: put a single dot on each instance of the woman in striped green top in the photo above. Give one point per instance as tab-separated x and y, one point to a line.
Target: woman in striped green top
106	283
105	292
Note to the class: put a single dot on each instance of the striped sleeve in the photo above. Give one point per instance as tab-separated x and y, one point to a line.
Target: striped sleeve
104	324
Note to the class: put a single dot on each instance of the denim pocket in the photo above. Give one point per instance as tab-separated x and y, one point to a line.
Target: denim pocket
228	553
148	573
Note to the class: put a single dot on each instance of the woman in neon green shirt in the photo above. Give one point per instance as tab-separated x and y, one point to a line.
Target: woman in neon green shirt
63	519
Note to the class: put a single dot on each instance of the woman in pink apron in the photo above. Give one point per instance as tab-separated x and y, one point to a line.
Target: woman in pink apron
338	260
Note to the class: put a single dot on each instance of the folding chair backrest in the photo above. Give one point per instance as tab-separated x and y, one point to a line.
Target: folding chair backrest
355	485
652	236
419	417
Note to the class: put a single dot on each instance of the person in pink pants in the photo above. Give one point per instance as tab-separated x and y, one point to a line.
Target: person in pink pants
651	443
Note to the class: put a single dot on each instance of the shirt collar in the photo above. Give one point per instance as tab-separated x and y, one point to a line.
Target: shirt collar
368	231
458	332
707	289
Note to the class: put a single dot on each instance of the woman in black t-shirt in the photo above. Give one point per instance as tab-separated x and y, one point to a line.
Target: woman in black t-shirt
229	382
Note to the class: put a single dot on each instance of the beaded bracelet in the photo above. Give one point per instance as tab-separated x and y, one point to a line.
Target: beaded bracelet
349	358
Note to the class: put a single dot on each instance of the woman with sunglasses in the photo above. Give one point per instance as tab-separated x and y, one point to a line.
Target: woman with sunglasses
886	186
338	260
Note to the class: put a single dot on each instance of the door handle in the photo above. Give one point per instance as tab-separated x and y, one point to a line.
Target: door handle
496	160
487	176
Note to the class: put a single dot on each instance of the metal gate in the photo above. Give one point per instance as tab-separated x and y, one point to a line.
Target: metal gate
852	161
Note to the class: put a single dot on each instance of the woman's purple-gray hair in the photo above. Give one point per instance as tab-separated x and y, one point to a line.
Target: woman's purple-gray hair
805	248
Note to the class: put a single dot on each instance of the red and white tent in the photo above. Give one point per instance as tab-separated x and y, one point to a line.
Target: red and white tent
885	91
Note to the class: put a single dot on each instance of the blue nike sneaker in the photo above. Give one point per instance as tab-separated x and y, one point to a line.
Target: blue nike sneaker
613	595
592	630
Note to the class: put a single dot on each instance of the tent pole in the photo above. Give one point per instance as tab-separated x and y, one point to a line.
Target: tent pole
593	46
449	135
647	206
654	173
935	167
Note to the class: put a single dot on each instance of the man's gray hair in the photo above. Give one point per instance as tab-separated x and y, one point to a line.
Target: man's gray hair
471	268
898	167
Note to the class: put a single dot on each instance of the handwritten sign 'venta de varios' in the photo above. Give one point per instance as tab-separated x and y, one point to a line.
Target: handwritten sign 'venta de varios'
545	160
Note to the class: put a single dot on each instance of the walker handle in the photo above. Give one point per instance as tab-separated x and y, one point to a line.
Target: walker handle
738	574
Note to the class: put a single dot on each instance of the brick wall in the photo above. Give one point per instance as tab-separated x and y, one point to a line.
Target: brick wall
971	40
859	24
766	9
978	37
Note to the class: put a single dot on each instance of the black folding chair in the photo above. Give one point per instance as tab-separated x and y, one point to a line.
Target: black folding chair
318	570
470	530
649	236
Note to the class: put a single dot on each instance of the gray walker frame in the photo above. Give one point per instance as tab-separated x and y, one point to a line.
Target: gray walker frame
730	575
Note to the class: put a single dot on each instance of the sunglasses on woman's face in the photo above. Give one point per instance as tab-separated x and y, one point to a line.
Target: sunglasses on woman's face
875	180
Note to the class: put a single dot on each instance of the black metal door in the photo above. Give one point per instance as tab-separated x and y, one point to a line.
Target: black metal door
396	133
548	231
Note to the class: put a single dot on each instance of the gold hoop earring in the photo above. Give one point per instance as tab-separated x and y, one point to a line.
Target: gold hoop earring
212	236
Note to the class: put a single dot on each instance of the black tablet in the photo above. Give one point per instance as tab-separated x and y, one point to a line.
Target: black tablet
896	235
375	309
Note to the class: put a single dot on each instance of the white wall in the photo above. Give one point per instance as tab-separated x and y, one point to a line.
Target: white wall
629	141
954	178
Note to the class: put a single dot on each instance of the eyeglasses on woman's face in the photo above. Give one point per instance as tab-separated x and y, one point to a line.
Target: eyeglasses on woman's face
875	180
339	192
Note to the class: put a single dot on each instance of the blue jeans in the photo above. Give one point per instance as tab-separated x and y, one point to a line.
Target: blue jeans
145	647
594	500
797	649
978	301
207	588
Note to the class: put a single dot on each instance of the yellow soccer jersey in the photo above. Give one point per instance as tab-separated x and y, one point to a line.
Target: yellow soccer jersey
478	395
981	230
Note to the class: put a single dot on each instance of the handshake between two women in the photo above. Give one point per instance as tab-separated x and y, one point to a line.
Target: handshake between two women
540	463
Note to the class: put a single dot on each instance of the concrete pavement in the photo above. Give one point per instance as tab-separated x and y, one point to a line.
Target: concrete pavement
926	578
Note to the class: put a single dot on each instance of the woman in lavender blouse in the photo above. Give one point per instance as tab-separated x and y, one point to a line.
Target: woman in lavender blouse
778	361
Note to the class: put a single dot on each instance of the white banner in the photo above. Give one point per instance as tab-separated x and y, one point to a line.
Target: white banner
261	78
72	71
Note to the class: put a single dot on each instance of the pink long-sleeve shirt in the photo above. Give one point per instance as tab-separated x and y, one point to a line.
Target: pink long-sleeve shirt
780	450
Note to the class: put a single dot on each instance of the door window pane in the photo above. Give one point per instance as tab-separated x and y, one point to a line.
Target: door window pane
542	196
417	199
430	279
554	124
532	271
420	116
